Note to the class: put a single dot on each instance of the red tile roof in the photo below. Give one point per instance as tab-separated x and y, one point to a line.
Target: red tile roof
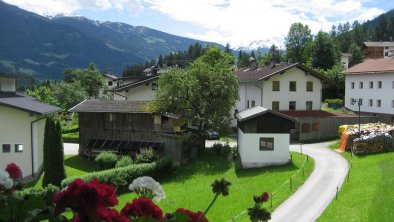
314	113
372	66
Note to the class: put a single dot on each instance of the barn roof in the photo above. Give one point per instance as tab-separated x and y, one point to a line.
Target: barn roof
370	66
134	84
110	106
257	111
26	103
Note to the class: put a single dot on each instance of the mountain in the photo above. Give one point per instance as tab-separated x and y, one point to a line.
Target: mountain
262	45
44	47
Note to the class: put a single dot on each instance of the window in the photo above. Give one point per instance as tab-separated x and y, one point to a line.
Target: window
110	83
309	86
253	103
352	85
275	105
361	85
360	101
309	105
370	102
293	86
371	85
18	148
305	128
315	126
379	103
392	103
292	105
266	143
275	86
379	84
6	148
386	54
247	104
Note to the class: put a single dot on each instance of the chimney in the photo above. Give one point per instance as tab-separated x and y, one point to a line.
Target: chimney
253	63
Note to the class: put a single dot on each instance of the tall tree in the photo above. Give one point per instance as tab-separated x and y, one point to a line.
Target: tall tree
296	41
54	171
206	92
381	29
356	56
227	49
357	34
326	53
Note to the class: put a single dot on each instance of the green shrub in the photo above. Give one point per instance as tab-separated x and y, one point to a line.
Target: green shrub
46	193
146	155
334	102
106	160
217	148
124	161
156	170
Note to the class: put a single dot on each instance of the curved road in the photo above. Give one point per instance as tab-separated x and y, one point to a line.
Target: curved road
310	200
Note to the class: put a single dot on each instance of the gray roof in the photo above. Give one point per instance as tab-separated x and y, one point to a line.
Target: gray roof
379	44
257	111
26	103
110	106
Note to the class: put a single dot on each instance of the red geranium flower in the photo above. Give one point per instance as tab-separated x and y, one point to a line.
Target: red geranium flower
193	216
142	207
14	171
265	196
85	198
111	215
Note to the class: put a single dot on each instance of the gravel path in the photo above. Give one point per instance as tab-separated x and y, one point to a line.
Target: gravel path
310	200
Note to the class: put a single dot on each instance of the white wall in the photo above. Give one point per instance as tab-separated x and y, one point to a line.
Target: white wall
141	93
248	91
385	94
15	129
7	84
300	96
251	156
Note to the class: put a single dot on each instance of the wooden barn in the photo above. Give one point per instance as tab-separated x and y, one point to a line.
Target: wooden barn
126	127
263	137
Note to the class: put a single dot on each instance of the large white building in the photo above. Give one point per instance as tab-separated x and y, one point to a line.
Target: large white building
371	83
282	87
22	124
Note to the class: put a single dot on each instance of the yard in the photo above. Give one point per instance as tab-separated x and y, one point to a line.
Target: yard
368	194
189	186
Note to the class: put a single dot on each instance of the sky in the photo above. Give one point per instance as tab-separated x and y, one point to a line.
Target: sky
237	22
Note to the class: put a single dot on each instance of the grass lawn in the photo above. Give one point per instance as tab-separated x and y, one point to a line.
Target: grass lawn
368	195
189	186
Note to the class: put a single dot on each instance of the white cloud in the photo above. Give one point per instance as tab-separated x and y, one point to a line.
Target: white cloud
53	7
241	21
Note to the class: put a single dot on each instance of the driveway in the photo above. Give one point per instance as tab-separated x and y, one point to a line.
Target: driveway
70	148
310	200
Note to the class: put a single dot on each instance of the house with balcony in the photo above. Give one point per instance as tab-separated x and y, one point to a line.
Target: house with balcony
22	121
372	84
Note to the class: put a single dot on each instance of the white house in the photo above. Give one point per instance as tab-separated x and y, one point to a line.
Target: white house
281	87
372	83
263	137
22	124
345	60
140	90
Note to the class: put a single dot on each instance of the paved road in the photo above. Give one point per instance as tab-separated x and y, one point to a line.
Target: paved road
310	200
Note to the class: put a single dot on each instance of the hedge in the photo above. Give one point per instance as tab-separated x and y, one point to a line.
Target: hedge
128	173
46	193
332	102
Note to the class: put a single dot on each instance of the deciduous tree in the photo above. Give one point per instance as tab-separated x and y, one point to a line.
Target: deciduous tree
296	41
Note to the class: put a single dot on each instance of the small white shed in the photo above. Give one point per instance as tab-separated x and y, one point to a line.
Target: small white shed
263	137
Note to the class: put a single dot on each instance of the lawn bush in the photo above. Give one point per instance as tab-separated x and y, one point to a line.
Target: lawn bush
106	160
129	173
334	102
124	161
146	155
46	193
217	147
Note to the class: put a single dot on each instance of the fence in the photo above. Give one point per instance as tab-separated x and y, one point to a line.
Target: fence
284	188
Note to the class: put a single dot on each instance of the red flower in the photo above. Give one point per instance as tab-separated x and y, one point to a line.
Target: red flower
111	215
193	217
14	171
142	207
265	196
85	198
